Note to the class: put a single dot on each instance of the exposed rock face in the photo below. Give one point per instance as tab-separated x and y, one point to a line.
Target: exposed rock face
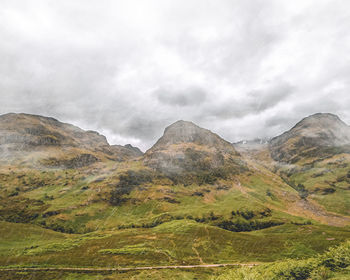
61	144
133	149
186	147
21	131
187	132
126	152
318	135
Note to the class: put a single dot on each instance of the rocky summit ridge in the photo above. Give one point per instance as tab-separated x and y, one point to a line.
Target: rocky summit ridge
32	139
317	135
186	147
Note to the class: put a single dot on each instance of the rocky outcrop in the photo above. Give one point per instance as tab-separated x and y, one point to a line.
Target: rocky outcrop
55	143
23	131
187	132
126	152
319	135
188	148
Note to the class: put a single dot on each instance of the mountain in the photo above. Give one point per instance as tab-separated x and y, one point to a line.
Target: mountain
317	136
188	148
127	151
193	198
32	139
313	157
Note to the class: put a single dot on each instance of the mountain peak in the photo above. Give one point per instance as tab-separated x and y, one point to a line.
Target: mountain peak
23	134
313	135
186	147
182	132
329	127
320	120
181	124
323	115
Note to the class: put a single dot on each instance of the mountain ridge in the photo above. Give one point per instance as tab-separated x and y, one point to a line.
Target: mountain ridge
196	201
186	147
314	135
55	143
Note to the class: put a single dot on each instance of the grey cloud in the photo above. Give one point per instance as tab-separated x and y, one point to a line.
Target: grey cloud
243	69
181	97
263	99
253	102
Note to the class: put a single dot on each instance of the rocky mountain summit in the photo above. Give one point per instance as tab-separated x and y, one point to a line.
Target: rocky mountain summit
37	139
183	148
186	147
187	132
24	131
316	136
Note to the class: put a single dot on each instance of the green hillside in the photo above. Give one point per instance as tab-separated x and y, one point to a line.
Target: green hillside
191	199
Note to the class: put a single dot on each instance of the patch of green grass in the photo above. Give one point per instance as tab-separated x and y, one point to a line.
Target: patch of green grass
319	267
16	237
327	174
122	236
138	249
67	244
174	242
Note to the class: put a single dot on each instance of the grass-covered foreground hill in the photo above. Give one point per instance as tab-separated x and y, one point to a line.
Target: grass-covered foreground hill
68	199
332	264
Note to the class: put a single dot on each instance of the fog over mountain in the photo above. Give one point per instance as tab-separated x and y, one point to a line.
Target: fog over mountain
243	69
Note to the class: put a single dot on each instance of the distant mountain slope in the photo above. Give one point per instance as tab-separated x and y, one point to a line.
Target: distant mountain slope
24	131
186	147
126	151
317	136
37	139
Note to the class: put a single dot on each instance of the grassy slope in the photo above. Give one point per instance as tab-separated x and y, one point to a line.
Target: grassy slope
81	200
175	242
326	180
328	174
332	264
185	274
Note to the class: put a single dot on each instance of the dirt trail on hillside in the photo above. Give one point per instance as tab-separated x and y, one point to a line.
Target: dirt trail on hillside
116	269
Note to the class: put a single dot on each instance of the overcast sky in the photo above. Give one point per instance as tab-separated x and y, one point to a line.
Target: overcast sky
127	69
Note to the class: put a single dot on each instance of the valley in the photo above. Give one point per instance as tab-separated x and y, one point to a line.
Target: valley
69	199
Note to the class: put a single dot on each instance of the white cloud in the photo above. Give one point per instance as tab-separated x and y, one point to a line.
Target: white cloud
129	68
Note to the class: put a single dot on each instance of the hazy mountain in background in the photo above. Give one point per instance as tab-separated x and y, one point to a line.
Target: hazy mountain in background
317	136
31	139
